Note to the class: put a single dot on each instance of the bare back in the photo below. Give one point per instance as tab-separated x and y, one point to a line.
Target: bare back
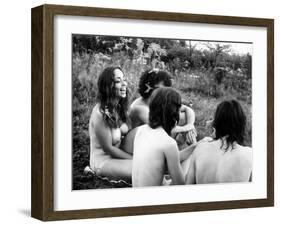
211	163
150	158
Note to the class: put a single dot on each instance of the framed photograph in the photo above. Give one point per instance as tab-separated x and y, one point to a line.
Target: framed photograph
142	112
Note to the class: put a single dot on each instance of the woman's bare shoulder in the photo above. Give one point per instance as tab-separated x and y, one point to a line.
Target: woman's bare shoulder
138	108
138	104
96	113
167	141
205	146
244	152
183	107
139	111
205	142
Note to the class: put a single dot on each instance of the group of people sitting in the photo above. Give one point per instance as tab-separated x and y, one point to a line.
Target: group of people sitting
152	141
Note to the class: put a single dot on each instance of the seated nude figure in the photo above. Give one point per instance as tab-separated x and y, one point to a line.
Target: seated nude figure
107	126
224	159
184	132
155	151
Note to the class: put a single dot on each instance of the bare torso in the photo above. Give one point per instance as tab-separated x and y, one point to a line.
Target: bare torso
213	164
149	161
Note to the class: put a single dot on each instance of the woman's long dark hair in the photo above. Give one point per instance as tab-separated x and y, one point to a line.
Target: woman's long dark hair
230	122
164	108
113	112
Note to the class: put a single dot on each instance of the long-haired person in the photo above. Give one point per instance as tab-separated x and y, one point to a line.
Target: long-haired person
224	159
108	125
155	151
150	81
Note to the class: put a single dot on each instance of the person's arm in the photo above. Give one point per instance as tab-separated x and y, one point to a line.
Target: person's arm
186	124
104	137
186	152
186	121
173	164
187	115
183	129
191	175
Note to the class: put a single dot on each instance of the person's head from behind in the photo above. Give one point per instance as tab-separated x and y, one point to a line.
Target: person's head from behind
113	94
153	79
164	108
230	122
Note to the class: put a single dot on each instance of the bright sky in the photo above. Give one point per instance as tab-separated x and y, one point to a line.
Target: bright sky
238	48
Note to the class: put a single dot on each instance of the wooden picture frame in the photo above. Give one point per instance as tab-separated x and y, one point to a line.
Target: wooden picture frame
42	203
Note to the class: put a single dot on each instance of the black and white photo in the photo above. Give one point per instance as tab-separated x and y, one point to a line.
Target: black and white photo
146	112
160	112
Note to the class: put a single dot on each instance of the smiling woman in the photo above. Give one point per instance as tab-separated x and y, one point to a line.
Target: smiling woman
107	126
120	83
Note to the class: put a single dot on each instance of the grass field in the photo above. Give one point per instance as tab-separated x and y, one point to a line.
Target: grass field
197	87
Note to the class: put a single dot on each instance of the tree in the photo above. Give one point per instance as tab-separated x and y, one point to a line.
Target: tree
247	65
191	48
215	50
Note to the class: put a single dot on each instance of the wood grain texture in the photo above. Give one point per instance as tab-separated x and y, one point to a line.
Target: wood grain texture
48	111
42	113
37	158
270	111
43	109
152	15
